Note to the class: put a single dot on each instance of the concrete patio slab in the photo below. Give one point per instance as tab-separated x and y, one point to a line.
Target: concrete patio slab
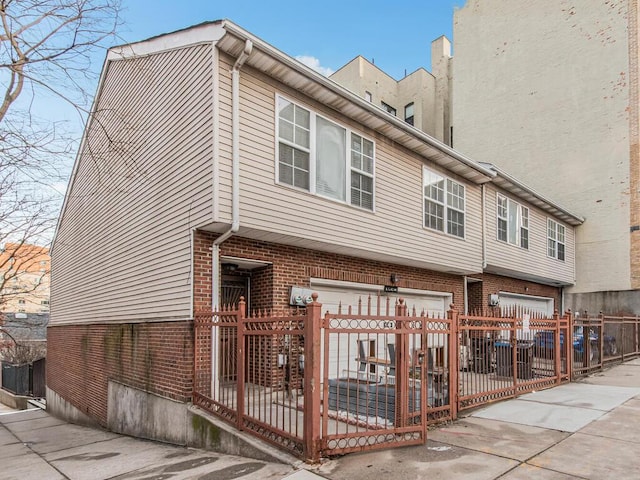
107	459
527	472
588	456
29	465
555	417
435	461
6	437
11	415
61	437
33	424
621	424
583	395
625	375
13	449
510	440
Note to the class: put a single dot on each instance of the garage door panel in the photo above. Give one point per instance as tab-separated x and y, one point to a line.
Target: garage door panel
344	348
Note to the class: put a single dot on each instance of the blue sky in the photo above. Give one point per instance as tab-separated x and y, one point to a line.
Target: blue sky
395	34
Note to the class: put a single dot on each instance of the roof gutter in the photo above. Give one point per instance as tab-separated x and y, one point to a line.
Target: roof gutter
361	102
235	143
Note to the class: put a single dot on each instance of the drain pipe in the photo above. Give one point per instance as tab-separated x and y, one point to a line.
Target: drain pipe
235	201
484	227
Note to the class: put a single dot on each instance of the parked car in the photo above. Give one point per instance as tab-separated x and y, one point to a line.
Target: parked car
543	345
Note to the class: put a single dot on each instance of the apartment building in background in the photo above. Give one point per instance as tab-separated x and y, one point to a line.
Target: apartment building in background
24	278
547	91
420	98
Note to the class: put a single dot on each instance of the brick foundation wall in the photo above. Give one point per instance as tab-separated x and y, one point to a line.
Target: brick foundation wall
154	357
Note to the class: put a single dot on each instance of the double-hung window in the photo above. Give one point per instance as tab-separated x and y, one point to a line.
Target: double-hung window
555	239
444	204
513	222
324	158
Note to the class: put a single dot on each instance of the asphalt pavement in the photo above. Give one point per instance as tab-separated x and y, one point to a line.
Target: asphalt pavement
582	430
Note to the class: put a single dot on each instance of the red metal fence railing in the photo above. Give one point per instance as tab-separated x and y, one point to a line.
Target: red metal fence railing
603	340
377	375
501	357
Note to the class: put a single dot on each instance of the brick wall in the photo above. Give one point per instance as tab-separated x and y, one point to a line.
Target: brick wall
155	357
496	283
270	286
634	144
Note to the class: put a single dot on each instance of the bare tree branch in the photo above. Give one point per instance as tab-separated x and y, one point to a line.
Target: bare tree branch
46	50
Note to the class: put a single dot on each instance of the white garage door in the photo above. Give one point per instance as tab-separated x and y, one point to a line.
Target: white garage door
331	296
343	348
530	303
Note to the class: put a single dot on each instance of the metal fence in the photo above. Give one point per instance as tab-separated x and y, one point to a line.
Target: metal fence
601	340
16	378
508	355
319	385
376	376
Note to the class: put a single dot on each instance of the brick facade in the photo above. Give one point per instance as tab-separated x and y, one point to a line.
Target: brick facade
479	292
154	357
634	144
290	265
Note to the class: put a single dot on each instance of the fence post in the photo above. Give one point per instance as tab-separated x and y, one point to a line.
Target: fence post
401	362
454	359
600	340
240	322
568	340
312	380
557	348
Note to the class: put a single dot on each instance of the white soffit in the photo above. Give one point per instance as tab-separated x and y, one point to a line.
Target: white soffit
289	71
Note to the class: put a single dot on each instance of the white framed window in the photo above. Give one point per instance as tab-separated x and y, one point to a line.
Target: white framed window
513	222
444	203
555	240
388	108
322	157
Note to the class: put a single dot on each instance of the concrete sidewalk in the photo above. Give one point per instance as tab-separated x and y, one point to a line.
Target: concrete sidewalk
589	429
34	445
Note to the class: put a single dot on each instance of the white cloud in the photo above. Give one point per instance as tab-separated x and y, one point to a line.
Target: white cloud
314	63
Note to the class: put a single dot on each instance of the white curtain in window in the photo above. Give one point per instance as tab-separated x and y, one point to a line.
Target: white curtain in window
513	222
330	159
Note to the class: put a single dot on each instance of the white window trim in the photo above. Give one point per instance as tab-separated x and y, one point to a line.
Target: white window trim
519	222
564	243
445	204
312	156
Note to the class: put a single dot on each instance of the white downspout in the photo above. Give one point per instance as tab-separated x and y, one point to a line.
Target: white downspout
235	207
484	228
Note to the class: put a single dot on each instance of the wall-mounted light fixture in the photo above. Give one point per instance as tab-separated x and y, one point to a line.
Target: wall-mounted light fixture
395	278
229	267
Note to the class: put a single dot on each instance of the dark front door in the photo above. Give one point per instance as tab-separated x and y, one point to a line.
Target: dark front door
233	287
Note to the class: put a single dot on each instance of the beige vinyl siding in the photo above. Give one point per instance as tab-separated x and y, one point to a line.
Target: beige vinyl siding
395	228
143	182
534	260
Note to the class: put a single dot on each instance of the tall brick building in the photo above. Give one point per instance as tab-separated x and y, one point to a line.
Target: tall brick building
549	91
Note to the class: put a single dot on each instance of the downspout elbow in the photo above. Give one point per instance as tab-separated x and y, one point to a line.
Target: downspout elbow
235	143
